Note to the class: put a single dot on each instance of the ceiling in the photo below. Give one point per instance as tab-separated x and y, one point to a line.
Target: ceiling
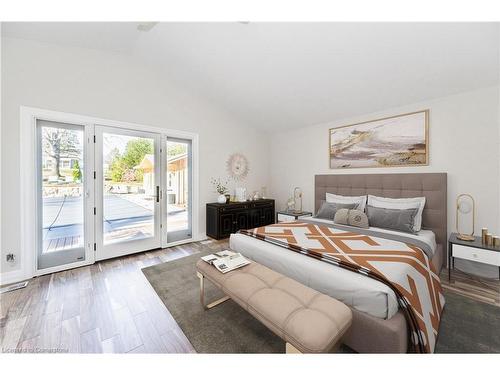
279	76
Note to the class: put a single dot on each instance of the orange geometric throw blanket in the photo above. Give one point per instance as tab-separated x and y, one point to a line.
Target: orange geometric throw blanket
405	268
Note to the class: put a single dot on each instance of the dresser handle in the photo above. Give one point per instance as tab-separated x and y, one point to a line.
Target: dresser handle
474	255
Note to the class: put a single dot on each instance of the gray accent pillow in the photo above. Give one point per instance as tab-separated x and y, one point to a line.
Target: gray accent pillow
390	218
328	210
354	218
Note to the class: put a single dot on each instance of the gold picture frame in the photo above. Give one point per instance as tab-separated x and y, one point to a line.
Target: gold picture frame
394	141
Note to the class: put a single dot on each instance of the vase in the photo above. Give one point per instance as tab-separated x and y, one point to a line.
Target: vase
221	198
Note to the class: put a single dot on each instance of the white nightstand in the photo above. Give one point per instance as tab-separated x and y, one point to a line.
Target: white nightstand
474	251
284	216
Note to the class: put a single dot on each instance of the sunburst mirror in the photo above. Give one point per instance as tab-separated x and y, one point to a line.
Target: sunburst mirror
237	166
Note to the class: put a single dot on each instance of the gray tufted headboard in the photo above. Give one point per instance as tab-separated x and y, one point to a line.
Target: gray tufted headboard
432	186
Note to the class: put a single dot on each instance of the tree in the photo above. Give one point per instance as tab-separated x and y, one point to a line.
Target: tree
121	167
117	168
77	172
59	143
176	149
135	152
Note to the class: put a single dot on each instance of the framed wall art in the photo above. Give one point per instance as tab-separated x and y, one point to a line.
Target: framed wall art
397	141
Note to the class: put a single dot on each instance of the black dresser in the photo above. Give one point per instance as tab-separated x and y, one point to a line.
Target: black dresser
226	218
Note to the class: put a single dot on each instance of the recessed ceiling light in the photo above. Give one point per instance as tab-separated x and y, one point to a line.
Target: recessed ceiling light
146	26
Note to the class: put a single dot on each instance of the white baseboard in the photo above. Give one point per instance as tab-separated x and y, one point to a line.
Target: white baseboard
201	237
12	277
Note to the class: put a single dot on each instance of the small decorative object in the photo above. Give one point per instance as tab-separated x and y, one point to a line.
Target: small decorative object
237	167
241	194
496	241
465	205
484	232
387	142
228	198
290	204
220	188
489	239
297	198
255	195
263	192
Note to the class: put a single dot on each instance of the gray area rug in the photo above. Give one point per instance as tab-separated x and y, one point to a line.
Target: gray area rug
467	326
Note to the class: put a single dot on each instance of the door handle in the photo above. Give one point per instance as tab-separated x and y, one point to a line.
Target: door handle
157	194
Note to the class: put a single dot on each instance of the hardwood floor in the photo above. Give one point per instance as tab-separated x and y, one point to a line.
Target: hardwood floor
479	289
108	307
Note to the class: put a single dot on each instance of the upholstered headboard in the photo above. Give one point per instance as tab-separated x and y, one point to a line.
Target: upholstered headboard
432	186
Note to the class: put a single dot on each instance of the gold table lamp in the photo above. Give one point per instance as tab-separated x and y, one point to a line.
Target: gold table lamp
465	204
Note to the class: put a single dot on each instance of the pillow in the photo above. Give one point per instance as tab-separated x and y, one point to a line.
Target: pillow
344	199
354	218
328	210
401	204
391	218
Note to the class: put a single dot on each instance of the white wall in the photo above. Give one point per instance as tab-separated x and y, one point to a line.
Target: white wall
112	86
464	142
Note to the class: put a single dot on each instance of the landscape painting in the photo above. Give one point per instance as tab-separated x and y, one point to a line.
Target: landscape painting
389	142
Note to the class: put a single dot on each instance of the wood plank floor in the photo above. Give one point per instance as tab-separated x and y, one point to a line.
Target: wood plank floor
479	289
108	307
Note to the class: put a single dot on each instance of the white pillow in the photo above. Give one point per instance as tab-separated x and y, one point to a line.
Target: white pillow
344	199
401	204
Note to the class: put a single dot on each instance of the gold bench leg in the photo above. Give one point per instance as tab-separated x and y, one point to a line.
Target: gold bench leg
202	294
290	349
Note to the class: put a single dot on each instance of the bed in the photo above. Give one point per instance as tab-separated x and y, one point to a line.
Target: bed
378	325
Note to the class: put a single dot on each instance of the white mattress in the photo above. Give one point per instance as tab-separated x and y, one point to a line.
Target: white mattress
360	292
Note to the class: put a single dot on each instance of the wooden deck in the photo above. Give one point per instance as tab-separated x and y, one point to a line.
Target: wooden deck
63	243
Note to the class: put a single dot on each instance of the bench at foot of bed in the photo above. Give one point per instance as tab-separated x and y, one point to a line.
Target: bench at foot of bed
308	321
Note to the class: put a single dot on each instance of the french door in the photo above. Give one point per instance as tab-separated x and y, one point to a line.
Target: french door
105	191
64	190
177	206
128	179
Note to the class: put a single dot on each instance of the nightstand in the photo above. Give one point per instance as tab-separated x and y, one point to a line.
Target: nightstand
474	251
283	216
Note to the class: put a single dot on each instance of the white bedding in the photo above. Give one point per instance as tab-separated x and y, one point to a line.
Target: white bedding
360	292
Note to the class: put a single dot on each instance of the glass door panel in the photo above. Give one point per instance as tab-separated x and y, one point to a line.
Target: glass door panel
178	194
61	194
128	182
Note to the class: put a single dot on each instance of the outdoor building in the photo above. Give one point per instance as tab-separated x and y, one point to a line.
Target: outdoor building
177	180
148	167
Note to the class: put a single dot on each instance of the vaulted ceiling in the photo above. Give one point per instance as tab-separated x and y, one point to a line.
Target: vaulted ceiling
280	76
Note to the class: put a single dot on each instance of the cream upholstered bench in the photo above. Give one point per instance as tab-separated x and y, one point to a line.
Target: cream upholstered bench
308	321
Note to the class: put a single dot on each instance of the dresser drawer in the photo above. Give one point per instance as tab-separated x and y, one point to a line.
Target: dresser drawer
233	208
476	255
